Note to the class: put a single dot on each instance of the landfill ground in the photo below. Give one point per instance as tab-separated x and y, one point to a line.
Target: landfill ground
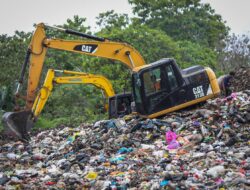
207	147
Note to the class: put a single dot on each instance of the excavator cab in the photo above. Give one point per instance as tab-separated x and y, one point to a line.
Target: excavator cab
120	105
162	87
157	87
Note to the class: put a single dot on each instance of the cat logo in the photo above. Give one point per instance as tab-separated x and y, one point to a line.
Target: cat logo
87	48
198	92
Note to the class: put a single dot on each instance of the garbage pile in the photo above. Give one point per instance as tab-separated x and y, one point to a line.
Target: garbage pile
205	148
241	79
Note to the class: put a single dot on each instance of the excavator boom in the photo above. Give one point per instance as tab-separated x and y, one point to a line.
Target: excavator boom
35	57
102	48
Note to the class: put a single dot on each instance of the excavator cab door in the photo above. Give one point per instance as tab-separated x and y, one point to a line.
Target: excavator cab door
120	105
158	87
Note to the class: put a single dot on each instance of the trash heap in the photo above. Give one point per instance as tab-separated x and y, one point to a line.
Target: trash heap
241	79
204	148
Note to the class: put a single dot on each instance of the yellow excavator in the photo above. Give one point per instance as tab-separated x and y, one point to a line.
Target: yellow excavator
157	88
66	77
74	78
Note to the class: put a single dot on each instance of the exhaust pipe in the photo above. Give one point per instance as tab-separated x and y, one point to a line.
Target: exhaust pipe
18	124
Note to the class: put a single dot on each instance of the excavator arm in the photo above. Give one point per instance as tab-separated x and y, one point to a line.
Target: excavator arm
75	78
99	48
17	122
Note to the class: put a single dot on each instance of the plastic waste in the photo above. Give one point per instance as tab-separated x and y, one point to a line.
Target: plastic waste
171	140
184	150
91	175
124	150
164	183
216	171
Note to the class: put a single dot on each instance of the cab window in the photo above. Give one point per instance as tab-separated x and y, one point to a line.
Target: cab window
152	81
112	107
173	83
136	87
159	79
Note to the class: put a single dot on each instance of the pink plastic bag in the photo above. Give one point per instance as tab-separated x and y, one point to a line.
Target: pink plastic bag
171	140
174	145
170	136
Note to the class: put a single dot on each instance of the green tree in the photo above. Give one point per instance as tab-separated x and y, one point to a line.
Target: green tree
12	54
110	19
182	20
13	50
58	59
194	54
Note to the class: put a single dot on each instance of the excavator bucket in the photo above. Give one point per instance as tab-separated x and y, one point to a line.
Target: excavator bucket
18	124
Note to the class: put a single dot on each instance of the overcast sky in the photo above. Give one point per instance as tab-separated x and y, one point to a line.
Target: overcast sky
22	14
